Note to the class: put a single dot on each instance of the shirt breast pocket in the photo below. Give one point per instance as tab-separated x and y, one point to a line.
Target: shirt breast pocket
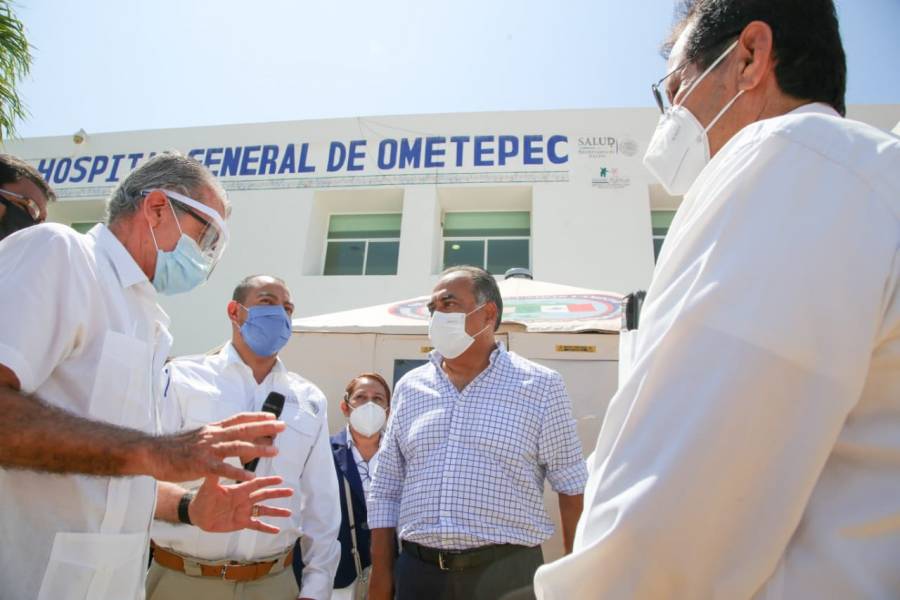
294	444
121	392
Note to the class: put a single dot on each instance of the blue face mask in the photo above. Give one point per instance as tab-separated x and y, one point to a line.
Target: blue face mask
181	269
267	329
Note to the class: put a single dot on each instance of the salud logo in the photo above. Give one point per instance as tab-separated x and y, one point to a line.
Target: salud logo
604	146
610	178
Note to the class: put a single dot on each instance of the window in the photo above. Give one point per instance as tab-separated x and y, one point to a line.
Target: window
661	220
495	241
363	244
83	226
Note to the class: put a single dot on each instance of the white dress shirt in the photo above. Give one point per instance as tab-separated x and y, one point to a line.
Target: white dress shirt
754	451
82	331
203	389
364	467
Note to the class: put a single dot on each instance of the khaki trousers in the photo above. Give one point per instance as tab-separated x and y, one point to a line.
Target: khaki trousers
166	584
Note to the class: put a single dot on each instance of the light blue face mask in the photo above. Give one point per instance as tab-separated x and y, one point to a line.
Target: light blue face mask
267	328
182	268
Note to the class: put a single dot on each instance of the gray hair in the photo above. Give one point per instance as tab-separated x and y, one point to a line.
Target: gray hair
169	170
484	287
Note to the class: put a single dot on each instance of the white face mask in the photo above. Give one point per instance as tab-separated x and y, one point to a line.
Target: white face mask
368	419
447	332
679	148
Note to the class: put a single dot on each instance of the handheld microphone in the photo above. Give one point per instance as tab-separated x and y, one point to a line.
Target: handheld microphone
274	404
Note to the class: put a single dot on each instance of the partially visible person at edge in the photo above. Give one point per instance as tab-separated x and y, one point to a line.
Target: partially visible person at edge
81	350
247	375
366	404
754	451
473	436
24	195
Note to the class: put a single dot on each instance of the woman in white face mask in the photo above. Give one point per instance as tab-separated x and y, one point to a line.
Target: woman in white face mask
366	405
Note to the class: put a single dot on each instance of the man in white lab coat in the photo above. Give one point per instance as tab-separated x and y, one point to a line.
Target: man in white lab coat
82	347
754	450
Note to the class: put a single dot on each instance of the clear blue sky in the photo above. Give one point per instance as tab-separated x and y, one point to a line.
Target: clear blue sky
125	65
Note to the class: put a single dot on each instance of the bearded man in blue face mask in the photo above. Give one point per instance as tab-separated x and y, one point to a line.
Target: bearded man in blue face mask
247	375
754	450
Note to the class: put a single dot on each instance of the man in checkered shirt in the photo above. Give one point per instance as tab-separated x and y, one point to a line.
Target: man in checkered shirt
473	435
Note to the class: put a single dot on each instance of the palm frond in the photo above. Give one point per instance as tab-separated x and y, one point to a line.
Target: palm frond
15	62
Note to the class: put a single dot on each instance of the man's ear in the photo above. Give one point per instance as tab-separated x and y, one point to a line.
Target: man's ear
490	310
755	53
345	408
233	312
153	206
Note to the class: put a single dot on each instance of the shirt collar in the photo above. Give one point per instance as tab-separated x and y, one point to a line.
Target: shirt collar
496	353
231	357
815	108
126	268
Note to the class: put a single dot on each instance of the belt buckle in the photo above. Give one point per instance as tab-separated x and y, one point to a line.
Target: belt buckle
224	572
441	564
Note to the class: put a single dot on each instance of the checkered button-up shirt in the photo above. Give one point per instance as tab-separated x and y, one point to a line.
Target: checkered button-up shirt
464	469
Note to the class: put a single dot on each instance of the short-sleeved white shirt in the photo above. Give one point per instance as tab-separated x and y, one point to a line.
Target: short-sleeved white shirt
82	331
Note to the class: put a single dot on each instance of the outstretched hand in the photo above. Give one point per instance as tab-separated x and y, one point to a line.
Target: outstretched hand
220	508
199	453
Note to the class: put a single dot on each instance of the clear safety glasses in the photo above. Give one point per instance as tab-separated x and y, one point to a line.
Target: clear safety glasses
214	235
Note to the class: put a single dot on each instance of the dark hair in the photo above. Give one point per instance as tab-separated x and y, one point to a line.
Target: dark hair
355	381
247	283
12	169
484	286
809	57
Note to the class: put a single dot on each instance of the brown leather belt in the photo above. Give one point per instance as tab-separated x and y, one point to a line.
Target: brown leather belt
230	571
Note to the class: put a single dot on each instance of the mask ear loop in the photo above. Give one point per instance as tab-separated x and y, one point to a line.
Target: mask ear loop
177	224
722	112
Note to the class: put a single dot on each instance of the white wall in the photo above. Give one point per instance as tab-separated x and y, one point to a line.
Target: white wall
587	230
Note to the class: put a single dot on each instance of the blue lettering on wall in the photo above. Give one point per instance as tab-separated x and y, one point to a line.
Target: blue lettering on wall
212	159
531	152
249	160
288	160
356	154
267	160
482	151
508	148
434	149
116	158
410	154
337	155
431	152
387	154
80	168
61	174
552	154
230	161
459	141
302	167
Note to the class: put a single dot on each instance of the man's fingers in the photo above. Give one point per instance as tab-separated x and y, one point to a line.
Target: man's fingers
250	431
260	482
245	417
243	449
270	493
221	469
257	525
273	511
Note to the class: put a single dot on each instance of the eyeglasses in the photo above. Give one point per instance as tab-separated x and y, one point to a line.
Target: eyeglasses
358	399
25	203
662	99
214	235
657	95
